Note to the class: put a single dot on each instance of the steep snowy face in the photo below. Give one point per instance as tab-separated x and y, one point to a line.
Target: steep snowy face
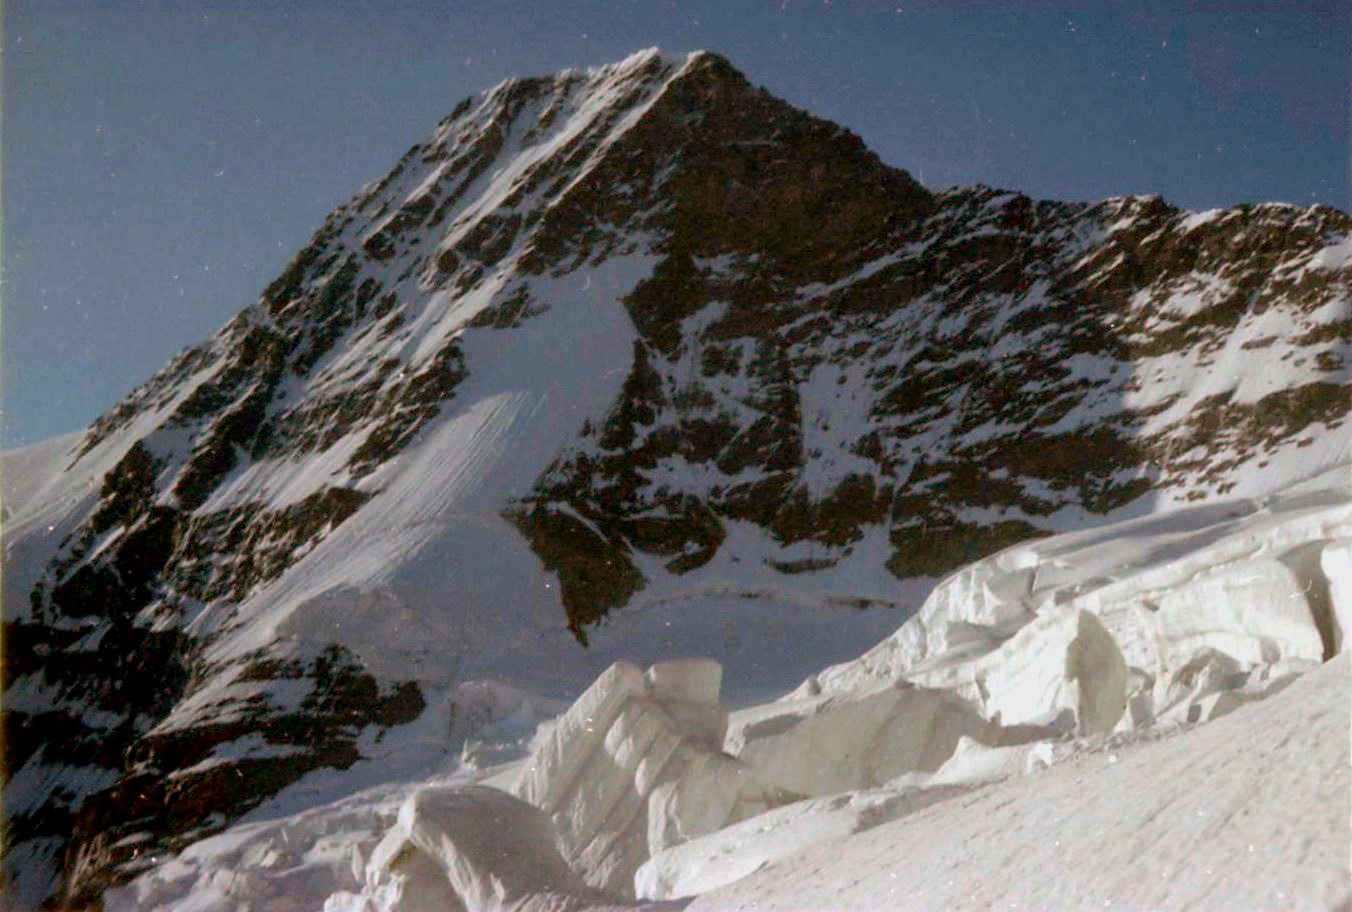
601	341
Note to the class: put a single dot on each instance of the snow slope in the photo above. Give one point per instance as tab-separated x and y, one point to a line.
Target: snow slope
1249	812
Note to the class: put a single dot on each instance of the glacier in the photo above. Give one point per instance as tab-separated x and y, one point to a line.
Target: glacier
1098	718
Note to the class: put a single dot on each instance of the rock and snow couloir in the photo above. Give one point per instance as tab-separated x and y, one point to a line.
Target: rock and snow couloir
351	534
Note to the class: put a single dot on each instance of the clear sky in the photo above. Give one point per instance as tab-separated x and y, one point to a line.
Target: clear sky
162	161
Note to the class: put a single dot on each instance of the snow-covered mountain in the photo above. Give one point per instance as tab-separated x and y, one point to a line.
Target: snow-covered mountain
637	357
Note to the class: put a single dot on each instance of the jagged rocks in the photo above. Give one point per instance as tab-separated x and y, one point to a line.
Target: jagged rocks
182	784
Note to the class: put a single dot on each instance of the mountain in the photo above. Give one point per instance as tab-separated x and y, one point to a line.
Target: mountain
636	360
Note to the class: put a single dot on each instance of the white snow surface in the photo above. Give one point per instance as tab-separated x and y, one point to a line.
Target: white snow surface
1246	813
435	534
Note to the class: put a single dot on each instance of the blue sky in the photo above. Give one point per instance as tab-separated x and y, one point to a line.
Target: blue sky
162	161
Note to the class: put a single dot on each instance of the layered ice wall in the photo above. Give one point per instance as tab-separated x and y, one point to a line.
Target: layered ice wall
634	767
1258	582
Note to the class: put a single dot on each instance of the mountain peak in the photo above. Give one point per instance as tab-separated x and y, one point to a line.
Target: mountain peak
635	62
639	343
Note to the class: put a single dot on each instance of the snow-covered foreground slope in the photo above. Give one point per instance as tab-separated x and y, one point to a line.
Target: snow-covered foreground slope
1101	719
1246	813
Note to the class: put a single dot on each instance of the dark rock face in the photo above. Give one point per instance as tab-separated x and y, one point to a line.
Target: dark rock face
823	350
171	794
966	346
